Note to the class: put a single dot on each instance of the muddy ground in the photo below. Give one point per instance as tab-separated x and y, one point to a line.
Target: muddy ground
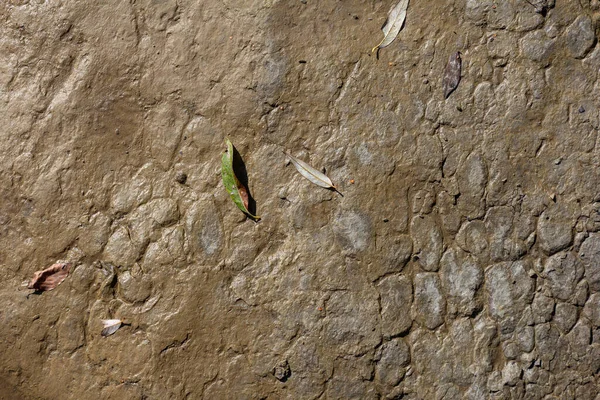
463	260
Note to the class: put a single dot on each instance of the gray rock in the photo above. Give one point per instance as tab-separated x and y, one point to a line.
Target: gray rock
537	46
430	304
592	309
459	344
580	36
282	371
589	253
132	194
394	251
562	272
120	250
423	202
510	350
95	234
579	339
446	204
525	337
581	293
392	359
461	277
511	373
168	250
472	180
509	289
203	227
428	243
502	15
134	289
396	300
565	316
353	231
546	343
503	243
351	322
161	211
555	229
542	308
477	11
472	238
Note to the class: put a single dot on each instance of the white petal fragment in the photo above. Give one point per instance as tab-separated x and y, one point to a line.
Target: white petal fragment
312	174
110	326
393	24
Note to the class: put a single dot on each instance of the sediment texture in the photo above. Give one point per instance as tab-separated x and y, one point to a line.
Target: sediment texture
462	262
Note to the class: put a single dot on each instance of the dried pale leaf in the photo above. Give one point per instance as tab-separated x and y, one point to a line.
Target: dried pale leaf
49	278
312	174
110	326
393	24
452	74
237	191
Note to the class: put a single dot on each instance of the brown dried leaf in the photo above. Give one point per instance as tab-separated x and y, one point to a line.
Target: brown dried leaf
50	278
452	74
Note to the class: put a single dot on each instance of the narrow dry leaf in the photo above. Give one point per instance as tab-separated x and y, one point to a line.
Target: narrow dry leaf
312	174
452	74
237	191
392	24
50	278
110	326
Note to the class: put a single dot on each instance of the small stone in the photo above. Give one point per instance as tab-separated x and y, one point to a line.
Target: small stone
461	278
352	231
393	252
134	289
472	237
581	293
561	273
589	254
510	289
542	307
555	229
511	373
546	342
393	356
592	309
580	36
352	321
430	304
472	180
510	350
396	300
580	338
565	316
162	211
476	10
525	337
203	227
282	371
181	178
120	250
423	202
428	242
537	46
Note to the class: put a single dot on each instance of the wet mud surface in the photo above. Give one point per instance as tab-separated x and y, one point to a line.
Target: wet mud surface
462	262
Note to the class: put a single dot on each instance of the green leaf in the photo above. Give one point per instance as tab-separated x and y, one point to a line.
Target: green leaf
237	191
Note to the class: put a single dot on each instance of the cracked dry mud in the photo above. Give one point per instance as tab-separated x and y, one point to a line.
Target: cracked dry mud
463	262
